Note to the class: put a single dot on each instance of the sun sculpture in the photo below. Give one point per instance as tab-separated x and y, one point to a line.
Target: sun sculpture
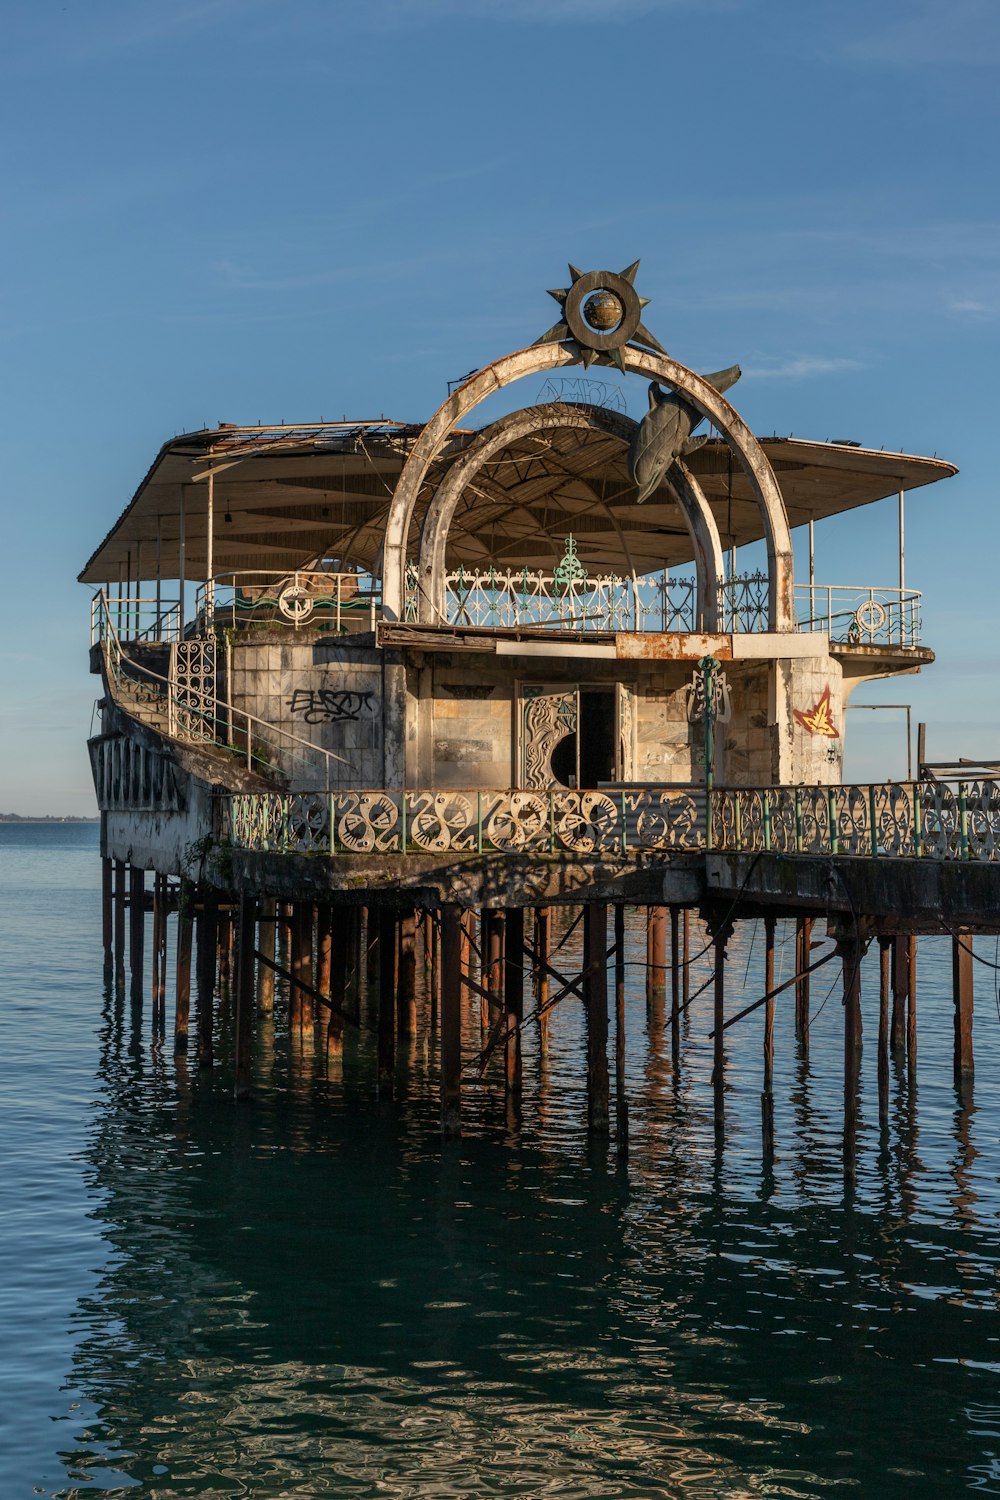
602	311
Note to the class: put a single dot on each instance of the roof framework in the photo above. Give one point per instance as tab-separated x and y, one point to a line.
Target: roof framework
285	496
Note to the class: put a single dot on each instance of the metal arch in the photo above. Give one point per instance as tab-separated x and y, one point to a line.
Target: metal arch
541	357
440	515
704	534
431	564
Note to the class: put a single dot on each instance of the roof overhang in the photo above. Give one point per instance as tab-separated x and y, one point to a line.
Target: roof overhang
284	496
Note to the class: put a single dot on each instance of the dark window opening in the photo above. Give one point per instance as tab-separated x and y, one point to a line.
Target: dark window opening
597	737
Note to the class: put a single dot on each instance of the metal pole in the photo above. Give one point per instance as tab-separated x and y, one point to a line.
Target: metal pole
902	565
812	574
158	599
708	666
210	554
180	567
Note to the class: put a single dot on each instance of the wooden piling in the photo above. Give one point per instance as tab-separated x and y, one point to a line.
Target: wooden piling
621	1102
656	953
451	1020
595	989
675	985
206	923
406	999
900	986
543	931
513	994
120	926
267	931
340	934
182	985
803	949
851	953
108	915
491	951
324	948
884	987
767	1096
245	997
686	960
962	991
136	928
386	1001
719	1019
911	1002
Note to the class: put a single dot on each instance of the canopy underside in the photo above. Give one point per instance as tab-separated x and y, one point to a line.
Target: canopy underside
286	496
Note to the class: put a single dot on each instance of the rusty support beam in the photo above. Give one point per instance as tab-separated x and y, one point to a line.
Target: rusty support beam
386	1001
245	998
803	948
137	929
120	926
267	929
513	994
767	1096
884	987
621	1101
182	983
962	992
452	929
595	955
108	915
206	924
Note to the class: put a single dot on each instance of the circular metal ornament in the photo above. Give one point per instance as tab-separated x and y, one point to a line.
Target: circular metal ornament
579	293
871	616
295	603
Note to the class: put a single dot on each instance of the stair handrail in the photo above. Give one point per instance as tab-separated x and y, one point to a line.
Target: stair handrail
115	655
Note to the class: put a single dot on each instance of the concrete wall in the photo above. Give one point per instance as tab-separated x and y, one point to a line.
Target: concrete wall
463	710
321	691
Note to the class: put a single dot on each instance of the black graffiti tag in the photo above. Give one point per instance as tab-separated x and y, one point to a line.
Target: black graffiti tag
328	705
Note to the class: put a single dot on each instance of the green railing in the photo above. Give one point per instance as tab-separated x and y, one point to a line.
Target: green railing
907	820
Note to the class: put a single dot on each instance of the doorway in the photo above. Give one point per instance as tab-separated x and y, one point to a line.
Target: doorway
568	736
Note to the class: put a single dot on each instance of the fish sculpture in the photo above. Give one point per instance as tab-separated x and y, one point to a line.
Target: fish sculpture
664	434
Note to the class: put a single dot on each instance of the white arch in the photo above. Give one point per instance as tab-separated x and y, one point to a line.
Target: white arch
540	357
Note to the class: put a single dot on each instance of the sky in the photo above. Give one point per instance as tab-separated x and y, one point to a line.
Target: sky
243	210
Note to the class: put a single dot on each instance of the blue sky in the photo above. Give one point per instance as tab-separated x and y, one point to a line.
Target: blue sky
243	209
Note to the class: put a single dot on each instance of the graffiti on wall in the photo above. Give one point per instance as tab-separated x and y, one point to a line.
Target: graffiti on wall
818	719
328	705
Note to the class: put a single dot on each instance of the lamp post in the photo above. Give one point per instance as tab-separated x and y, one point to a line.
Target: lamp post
708	699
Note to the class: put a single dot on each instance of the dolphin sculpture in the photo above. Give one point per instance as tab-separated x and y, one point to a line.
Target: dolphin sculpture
664	433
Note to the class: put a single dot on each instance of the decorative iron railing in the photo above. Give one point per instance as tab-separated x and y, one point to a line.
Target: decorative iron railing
316	598
468	822
504	598
852	615
906	820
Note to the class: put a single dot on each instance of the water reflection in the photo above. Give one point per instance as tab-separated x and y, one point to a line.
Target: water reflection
311	1295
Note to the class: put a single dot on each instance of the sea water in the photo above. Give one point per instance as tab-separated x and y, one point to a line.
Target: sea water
311	1295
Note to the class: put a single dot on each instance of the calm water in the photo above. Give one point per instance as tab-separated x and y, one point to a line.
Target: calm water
309	1295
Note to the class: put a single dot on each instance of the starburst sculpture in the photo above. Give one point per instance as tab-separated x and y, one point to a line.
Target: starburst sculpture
602	312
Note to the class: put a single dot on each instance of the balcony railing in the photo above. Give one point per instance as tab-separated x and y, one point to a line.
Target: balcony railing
134	619
337	602
492	598
904	820
496	598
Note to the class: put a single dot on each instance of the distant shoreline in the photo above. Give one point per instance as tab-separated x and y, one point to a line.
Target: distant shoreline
16	818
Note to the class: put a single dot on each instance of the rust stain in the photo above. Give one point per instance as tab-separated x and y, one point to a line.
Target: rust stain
672	646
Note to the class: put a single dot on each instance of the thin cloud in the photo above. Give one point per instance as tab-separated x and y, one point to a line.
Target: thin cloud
802	367
964	32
